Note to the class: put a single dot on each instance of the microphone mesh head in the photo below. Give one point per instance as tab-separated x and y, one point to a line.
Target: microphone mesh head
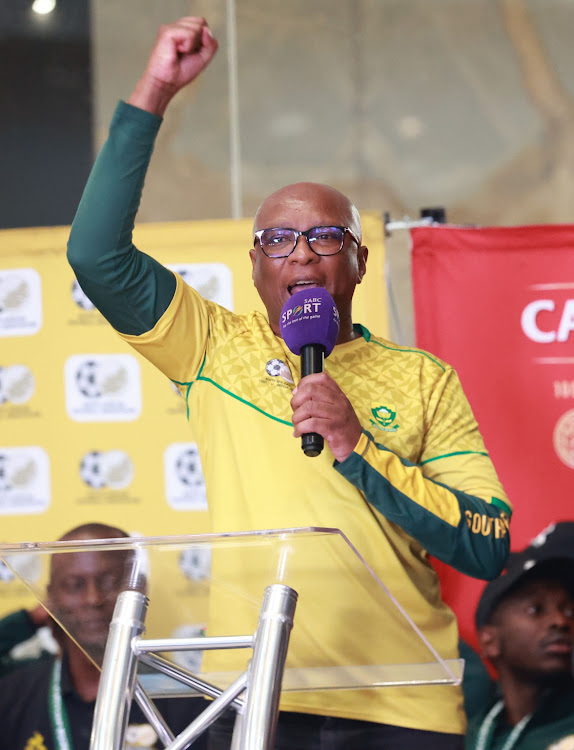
310	317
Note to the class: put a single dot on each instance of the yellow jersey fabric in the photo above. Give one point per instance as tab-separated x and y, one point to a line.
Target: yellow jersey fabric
419	481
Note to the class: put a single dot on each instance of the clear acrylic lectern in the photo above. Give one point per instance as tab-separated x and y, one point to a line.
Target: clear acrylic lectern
253	620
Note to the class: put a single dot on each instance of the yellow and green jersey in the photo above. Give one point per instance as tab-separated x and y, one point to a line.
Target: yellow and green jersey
393	497
419	481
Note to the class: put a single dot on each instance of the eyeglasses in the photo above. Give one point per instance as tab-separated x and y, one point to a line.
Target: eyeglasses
280	242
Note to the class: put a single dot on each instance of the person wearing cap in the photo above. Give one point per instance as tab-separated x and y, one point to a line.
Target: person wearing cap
404	473
525	624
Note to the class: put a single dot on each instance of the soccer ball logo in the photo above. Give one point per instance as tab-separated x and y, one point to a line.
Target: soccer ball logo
273	367
100	378
113	469
91	470
195	564
276	368
80	298
87	380
5	483
188	468
105	377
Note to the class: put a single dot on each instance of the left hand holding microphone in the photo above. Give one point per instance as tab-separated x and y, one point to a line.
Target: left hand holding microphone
320	406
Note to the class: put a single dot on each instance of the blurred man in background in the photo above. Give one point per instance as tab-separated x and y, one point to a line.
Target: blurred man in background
49	704
525	623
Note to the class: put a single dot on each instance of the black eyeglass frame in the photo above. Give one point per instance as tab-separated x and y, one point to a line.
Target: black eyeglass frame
305	233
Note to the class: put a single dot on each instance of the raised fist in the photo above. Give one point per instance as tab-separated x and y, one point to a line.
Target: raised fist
181	51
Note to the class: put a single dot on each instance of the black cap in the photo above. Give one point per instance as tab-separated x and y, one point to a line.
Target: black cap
553	544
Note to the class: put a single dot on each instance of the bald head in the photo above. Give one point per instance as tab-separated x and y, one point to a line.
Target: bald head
93	531
301	197
82	533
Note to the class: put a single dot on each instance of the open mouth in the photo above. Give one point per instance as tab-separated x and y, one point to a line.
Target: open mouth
298	286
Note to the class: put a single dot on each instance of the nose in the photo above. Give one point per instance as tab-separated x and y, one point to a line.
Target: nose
93	595
302	253
560	619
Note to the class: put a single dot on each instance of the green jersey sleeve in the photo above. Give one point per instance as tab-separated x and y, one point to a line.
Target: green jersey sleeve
450	499
130	289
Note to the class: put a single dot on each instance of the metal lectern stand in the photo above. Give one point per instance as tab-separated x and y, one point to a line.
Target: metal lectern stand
350	631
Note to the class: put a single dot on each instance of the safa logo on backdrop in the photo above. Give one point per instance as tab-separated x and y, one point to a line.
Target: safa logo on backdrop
195	563
80	298
17	384
83	312
28	566
24	480
190	660
183	475
20	302
112	469
214	281
103	387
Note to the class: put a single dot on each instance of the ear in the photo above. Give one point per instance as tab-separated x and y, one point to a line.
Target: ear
362	254
489	642
253	256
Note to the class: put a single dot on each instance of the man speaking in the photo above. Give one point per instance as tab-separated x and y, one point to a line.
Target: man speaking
404	472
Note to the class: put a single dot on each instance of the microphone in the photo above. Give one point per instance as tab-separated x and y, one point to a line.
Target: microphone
309	325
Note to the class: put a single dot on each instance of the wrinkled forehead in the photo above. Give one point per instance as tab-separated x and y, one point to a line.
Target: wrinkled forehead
304	206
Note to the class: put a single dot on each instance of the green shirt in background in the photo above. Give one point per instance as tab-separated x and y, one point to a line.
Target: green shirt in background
478	688
16	628
551	727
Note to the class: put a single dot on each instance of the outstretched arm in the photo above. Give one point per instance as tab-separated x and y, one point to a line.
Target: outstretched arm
131	289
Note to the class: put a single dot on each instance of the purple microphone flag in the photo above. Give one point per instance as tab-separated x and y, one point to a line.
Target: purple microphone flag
310	317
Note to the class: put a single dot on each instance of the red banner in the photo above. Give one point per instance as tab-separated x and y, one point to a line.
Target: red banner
498	305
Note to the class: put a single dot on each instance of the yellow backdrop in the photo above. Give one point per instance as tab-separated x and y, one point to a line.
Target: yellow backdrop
76	445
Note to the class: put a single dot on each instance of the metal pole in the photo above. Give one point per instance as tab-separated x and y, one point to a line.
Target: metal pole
234	139
205	643
406	223
259	721
118	676
153	715
184	676
209	715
